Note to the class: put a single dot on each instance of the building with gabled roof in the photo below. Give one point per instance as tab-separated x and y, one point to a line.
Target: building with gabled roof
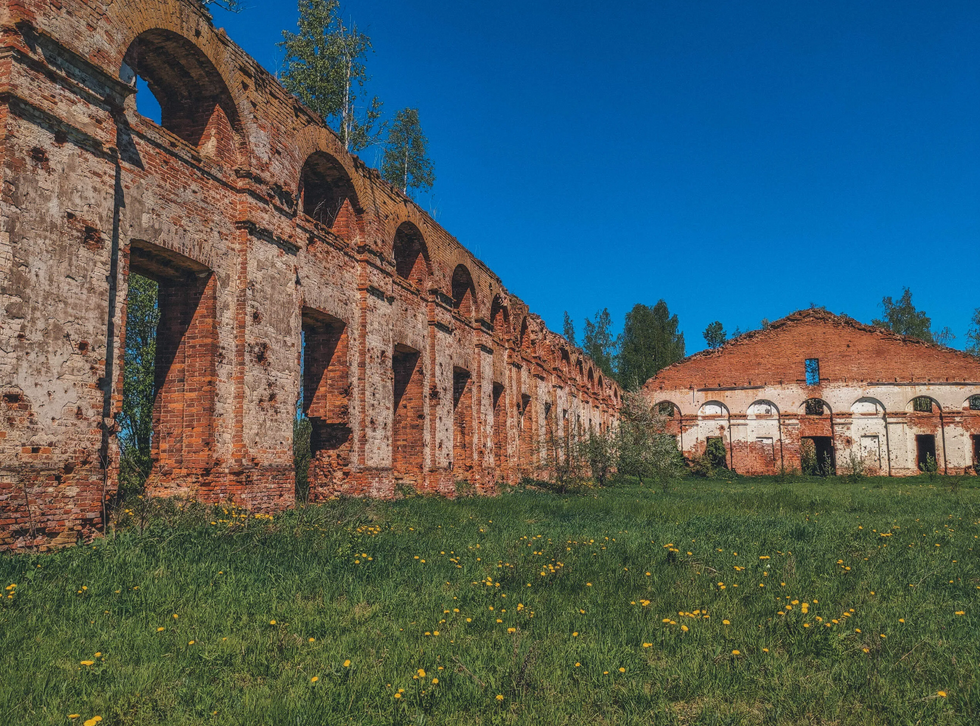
815	385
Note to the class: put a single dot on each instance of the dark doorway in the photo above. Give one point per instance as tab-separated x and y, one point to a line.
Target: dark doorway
925	452
499	428
817	457
976	451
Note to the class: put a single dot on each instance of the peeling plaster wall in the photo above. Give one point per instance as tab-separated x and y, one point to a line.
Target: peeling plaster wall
752	393
213	204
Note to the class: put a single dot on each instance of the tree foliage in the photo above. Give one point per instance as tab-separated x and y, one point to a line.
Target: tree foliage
643	446
324	68
599	342
715	335
405	163
650	341
568	329
973	336
901	317
139	359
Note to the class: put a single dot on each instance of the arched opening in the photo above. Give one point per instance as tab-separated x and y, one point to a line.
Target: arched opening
924	404
411	255
869	435
526	340
464	292
565	360
327	195
500	317
191	99
973	403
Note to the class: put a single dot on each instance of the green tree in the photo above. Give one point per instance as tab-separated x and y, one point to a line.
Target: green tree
324	68
599	342
231	5
643	446
715	335
568	329
139	358
405	163
901	317
973	336
650	341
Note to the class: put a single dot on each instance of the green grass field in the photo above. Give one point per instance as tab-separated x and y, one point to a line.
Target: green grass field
748	602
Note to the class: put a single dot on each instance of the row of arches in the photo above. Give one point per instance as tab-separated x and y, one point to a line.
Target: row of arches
864	406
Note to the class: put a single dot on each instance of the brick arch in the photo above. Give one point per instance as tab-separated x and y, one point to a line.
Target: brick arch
411	255
316	139
463	291
129	20
500	317
327	194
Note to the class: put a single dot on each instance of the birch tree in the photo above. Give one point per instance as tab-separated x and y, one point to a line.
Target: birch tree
405	163
324	68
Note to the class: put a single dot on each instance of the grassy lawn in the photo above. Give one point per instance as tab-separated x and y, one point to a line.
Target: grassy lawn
747	602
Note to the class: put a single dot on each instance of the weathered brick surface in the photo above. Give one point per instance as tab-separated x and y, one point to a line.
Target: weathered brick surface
259	228
753	393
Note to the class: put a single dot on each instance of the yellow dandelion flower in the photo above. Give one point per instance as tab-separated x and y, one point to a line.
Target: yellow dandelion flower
272	622
74	715
960	612
421	673
435	681
622	670
500	697
398	695
93	721
725	622
684	628
191	642
577	665
346	664
575	635
511	630
87	662
648	645
312	640
314	679
736	652
941	694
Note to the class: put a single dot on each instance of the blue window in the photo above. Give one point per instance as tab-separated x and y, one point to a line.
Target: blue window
812	371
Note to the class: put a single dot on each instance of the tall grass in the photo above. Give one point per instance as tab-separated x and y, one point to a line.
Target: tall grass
747	602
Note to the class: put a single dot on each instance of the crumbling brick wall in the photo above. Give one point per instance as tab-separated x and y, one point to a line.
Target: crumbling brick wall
857	400
260	229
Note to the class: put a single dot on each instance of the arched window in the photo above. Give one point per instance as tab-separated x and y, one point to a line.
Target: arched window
924	404
327	194
194	103
411	255
464	292
816	407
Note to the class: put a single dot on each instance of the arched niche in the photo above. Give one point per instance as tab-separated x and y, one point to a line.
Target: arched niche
464	292
411	255
762	409
327	194
972	403
713	409
194	102
867	406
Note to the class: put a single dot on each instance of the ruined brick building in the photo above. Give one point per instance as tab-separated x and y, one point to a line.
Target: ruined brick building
419	365
849	389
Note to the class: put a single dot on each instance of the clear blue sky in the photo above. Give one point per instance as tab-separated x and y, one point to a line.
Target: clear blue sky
740	160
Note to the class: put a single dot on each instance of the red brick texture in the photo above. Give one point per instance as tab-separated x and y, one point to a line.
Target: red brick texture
261	231
754	394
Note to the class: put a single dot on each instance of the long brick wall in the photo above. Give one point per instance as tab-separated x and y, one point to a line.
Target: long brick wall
420	368
867	396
